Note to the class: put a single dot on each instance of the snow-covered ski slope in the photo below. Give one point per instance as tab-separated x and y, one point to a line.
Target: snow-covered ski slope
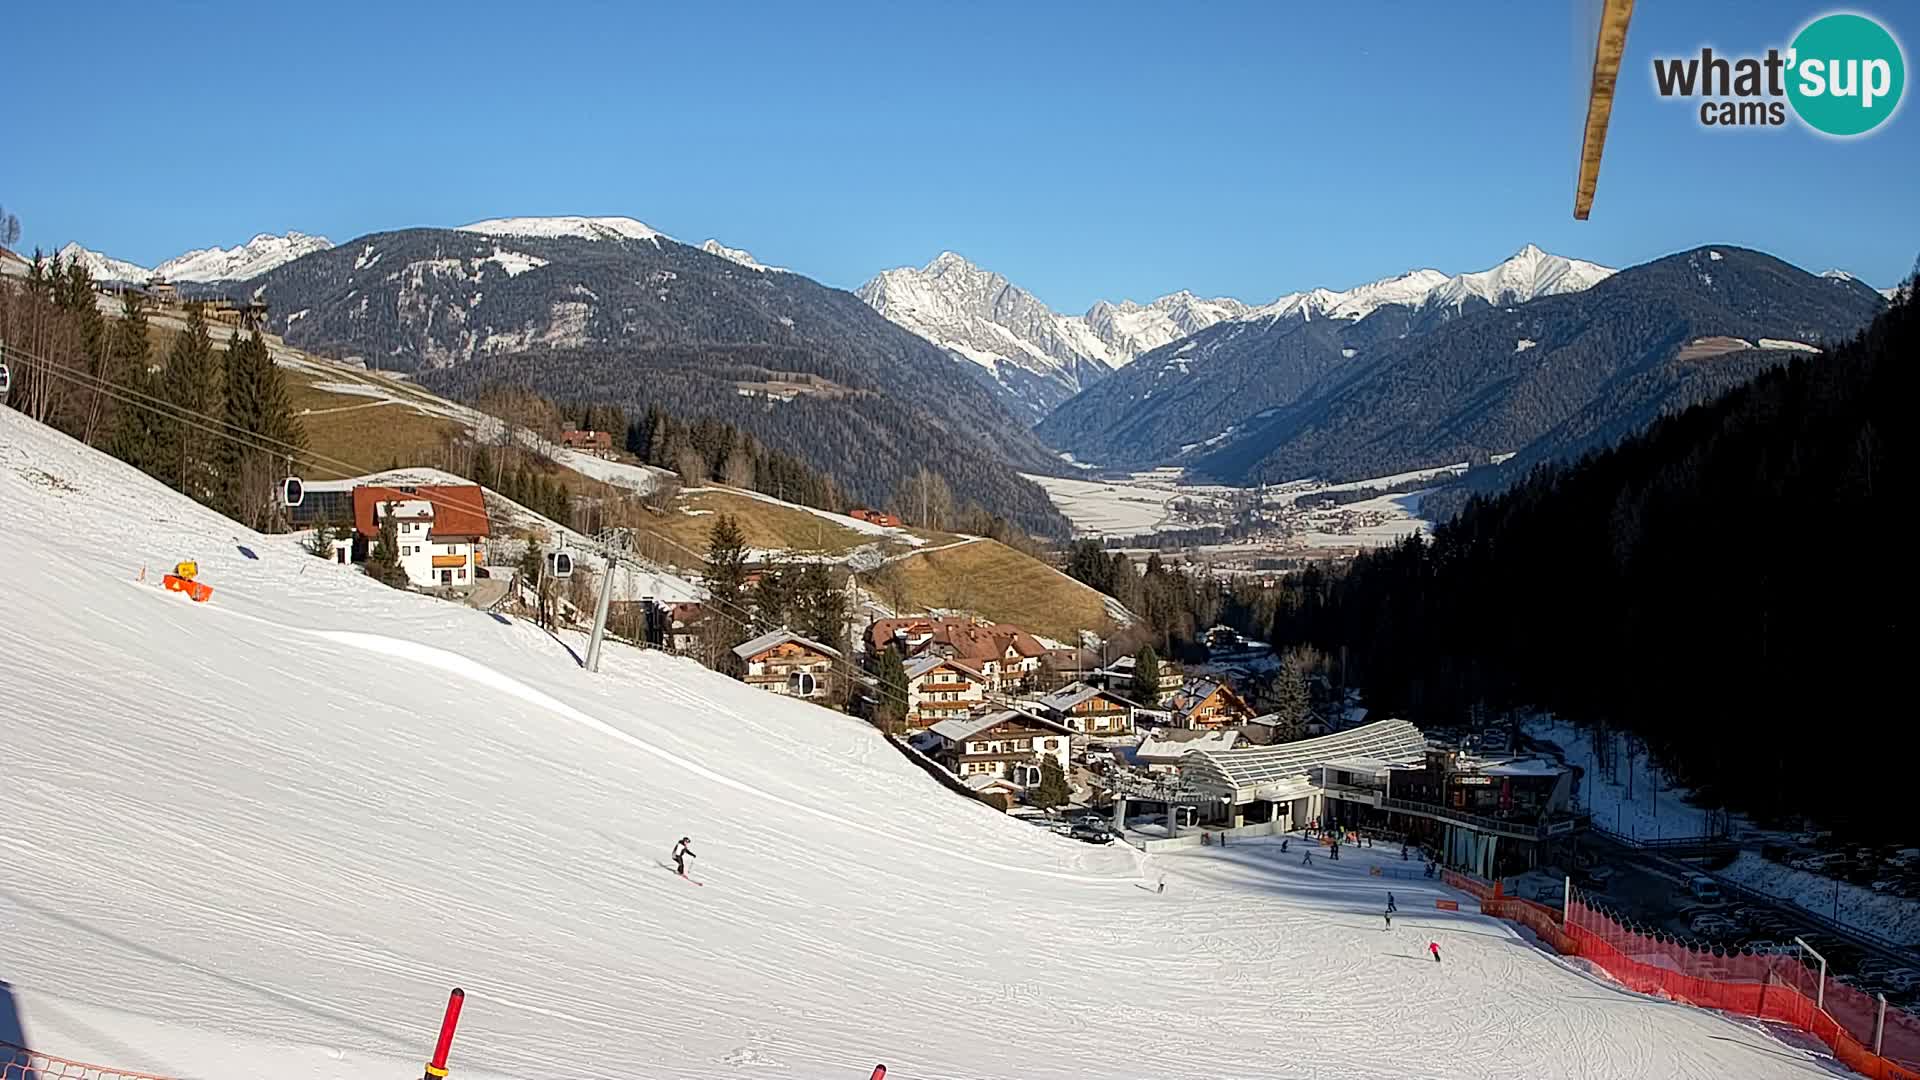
264	835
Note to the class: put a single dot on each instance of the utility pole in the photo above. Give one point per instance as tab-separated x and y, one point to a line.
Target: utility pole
600	615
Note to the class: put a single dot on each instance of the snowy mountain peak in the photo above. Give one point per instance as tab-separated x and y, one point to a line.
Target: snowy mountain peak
738	255
948	262
1529	274
1036	356
582	228
1410	289
251	259
103	267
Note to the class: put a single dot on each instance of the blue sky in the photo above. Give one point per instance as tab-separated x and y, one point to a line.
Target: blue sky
1085	150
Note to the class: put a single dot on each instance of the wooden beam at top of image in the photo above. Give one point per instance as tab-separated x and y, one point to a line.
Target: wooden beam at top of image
1608	50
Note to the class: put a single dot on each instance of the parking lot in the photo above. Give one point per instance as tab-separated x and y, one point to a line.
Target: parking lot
1654	893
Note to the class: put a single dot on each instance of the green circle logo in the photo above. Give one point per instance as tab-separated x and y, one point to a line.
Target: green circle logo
1846	74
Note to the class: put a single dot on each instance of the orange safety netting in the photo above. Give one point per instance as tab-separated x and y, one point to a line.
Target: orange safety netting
1772	986
20	1063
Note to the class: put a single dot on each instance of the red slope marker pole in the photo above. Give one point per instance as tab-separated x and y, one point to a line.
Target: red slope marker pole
879	1073
437	1068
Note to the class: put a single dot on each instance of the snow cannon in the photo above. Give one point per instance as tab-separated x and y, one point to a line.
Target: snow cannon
182	581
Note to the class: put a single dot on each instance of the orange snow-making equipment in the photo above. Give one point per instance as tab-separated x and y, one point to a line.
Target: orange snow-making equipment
182	580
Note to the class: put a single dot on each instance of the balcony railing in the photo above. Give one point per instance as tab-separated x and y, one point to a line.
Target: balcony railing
1527	830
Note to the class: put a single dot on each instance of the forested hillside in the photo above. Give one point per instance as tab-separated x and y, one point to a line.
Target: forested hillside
871	444
1723	585
638	319
1555	376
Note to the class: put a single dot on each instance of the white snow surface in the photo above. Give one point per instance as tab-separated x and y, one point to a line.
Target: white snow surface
251	259
739	255
1637	804
1893	917
264	835
1528	274
104	267
242	261
986	319
585	228
1788	344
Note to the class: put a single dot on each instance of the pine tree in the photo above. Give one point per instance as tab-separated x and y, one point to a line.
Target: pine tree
320	544
383	562
727	564
1146	676
132	427
1053	790
774	596
823	607
266	414
1292	699
185	443
890	671
239	457
726	592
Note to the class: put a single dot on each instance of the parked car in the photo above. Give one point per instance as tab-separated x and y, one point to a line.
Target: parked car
1901	980
1714	927
1090	833
1704	888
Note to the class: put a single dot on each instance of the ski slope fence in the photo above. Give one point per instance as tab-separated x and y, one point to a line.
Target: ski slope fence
1775	986
19	1063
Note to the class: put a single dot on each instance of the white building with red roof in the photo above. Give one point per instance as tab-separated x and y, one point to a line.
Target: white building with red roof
441	529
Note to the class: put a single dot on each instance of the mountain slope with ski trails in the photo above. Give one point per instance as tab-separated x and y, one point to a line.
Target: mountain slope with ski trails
266	833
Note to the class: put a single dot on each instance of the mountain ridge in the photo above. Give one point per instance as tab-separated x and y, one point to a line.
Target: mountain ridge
1202	389
612	310
1556	376
1032	356
262	253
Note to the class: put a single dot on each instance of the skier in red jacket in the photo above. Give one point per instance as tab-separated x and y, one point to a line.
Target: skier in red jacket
1434	948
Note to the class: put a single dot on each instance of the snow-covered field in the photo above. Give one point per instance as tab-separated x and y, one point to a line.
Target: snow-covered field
1144	504
1895	918
1387	520
1654	811
264	835
1100	508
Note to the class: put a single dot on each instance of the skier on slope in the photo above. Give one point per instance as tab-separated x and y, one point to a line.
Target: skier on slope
1306	858
1434	948
1388	914
682	851
1391	906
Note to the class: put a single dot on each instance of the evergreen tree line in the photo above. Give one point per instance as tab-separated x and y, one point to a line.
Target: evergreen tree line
229	436
1175	605
1722	586
527	485
708	450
